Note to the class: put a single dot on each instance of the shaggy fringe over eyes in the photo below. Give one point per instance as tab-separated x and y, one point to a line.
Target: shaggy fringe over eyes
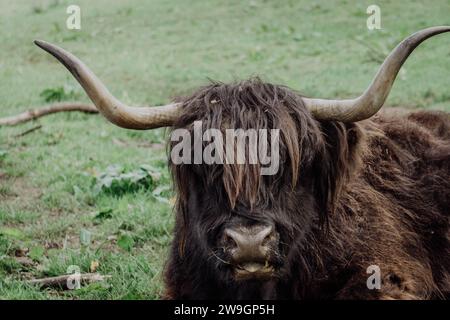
251	104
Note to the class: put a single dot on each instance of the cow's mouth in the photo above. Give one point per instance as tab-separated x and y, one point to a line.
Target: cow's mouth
254	271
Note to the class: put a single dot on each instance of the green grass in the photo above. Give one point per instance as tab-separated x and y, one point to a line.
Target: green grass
147	52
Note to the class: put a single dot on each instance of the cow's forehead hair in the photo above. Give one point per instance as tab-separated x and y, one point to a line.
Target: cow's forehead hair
250	104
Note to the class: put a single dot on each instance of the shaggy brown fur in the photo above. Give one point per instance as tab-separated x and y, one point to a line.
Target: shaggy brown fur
346	196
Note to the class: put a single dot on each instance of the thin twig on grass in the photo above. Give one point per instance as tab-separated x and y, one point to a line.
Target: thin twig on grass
28	131
125	144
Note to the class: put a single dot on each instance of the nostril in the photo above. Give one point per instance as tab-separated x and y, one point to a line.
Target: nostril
269	238
266	235
229	239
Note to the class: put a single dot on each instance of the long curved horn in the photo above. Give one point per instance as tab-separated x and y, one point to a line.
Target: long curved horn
366	105
124	116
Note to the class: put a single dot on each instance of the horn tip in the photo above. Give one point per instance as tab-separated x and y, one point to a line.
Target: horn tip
38	42
44	45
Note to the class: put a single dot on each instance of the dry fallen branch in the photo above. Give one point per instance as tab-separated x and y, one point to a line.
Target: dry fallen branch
40	112
61	281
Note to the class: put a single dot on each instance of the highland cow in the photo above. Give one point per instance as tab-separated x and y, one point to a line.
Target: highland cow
356	190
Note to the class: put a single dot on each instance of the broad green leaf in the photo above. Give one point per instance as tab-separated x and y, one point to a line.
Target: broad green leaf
103	214
85	237
118	181
125	242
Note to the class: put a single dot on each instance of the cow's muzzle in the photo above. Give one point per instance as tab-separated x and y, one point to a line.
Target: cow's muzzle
251	250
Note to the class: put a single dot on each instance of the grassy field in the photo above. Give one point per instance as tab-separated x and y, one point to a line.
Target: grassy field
57	207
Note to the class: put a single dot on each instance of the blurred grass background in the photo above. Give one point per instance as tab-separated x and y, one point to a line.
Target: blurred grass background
51	211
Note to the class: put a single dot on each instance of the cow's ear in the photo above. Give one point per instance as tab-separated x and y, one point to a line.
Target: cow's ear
337	164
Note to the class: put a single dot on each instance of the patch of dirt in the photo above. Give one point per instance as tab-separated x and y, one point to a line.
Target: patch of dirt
3	176
21	191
